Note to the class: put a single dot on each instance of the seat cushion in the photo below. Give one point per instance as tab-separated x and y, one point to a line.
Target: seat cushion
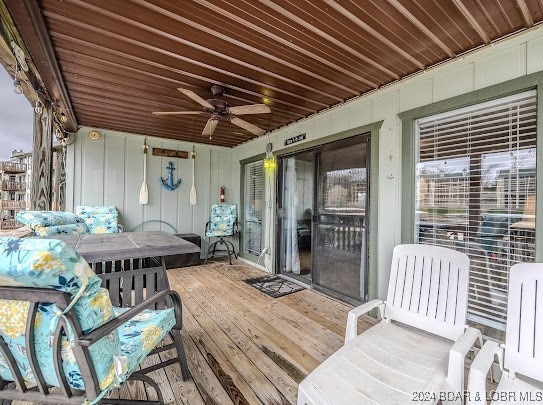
141	334
49	263
47	218
54	230
227	232
95	209
101	223
387	364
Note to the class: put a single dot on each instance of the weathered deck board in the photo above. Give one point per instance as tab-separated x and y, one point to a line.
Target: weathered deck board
242	346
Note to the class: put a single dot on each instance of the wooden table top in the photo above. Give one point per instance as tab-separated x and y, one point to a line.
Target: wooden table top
127	245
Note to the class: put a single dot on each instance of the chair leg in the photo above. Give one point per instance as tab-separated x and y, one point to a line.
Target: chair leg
213	246
178	340
228	251
144	379
234	250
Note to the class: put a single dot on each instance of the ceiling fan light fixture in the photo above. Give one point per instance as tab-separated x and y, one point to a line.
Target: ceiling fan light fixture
219	110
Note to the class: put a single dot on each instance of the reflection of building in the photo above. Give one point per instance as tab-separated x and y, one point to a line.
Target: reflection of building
513	187
13	191
346	188
451	191
24	158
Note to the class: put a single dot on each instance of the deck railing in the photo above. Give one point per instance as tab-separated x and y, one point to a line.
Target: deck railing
9	224
8	185
12	205
12	167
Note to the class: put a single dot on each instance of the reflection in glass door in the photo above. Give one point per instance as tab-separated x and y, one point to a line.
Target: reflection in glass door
322	217
339	221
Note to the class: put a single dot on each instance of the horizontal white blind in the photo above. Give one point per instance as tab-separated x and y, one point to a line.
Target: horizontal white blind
254	201
476	190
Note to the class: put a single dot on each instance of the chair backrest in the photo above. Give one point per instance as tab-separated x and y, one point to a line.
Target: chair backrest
131	281
428	289
51	268
524	334
223	218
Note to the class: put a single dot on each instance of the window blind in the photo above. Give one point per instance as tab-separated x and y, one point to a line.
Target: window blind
476	190
253	212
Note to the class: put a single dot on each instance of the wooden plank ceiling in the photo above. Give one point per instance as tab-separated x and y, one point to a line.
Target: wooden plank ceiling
120	60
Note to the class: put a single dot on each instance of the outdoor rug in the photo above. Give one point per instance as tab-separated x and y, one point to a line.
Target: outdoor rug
274	286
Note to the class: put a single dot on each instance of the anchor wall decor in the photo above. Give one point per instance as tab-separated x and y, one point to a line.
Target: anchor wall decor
168	184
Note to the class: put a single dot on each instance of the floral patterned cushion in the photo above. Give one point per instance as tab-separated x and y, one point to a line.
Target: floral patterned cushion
70	229
141	334
95	209
47	218
49	263
223	218
102	223
99	219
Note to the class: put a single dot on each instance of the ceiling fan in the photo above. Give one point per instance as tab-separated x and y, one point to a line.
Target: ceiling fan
219	110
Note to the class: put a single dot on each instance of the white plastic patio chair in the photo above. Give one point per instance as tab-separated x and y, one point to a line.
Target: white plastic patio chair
521	358
416	353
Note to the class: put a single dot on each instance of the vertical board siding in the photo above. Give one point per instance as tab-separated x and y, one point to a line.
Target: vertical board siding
114	176
93	170
109	171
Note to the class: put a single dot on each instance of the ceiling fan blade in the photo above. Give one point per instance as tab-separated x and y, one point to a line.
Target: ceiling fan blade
196	97
248	126
250	109
210	127
177	113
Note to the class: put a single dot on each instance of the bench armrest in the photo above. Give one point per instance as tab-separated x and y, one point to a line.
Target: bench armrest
351	330
478	371
115	323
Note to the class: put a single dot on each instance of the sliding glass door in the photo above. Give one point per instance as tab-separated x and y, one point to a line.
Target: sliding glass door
322	217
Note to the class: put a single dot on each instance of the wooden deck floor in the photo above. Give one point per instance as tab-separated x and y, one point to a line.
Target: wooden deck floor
242	346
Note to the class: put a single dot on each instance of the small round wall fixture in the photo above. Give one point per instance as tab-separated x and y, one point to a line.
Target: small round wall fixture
94	135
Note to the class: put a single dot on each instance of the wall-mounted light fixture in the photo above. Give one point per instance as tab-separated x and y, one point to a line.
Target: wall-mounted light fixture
63	117
269	160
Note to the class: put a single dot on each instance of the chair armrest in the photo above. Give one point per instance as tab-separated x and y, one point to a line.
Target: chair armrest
351	330
113	324
457	355
478	371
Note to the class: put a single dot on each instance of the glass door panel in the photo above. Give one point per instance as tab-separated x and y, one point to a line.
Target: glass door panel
296	186
339	222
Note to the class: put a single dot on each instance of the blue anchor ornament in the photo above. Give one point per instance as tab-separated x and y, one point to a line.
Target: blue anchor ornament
169	184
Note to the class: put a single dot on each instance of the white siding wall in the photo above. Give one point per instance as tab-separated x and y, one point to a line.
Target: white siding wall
507	60
109	171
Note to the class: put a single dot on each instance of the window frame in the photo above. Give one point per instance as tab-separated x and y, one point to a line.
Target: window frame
243	166
533	81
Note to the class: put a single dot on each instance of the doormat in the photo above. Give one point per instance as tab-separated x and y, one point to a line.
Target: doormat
274	286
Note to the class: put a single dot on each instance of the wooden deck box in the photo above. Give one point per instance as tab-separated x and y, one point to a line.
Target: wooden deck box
188	259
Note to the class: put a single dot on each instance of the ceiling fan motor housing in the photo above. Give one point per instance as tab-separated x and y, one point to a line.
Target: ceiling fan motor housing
220	106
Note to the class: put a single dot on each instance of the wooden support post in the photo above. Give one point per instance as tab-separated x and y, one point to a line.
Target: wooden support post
40	192
59	181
